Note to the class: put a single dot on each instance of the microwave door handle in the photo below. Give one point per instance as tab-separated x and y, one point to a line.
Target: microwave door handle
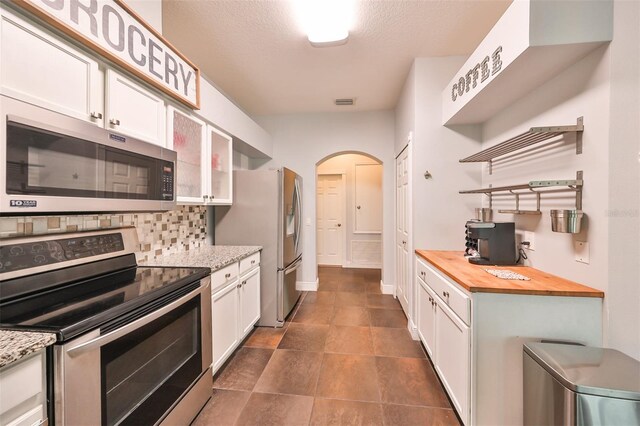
128	328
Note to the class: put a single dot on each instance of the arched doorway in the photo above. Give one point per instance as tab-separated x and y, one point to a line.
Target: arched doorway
349	220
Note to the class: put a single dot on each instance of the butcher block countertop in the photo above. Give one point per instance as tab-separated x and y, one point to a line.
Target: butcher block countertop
474	278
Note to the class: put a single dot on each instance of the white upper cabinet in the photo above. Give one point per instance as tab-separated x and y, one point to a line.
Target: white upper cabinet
134	110
187	136
39	68
221	167
204	171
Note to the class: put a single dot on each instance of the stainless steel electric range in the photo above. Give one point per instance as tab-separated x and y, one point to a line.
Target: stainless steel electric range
133	343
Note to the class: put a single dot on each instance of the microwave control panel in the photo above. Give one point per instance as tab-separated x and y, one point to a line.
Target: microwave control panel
167	181
27	255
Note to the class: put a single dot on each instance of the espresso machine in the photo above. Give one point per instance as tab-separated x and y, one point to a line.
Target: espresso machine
491	243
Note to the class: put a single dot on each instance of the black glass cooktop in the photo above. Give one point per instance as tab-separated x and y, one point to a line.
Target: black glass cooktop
75	308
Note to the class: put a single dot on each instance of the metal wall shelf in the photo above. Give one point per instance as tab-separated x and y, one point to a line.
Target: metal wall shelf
533	136
537	187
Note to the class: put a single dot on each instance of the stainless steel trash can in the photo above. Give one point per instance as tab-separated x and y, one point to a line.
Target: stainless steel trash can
580	385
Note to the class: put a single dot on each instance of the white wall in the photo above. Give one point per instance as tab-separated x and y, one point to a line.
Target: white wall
604	87
438	212
149	10
303	140
623	281
215	107
405	112
346	164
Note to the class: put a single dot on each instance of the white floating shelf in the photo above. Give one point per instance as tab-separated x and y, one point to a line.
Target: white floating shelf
532	42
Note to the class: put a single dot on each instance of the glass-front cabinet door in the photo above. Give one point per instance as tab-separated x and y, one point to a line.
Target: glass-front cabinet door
221	176
187	136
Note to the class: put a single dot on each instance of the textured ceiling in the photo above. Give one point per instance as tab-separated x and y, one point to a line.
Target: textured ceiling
255	52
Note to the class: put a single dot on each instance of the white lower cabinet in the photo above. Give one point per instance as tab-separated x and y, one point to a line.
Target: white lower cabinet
474	340
225	322
235	306
453	355
23	391
447	340
249	301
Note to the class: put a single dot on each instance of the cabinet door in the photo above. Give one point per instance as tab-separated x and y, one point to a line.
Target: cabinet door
187	136
134	110
249	301
453	358
220	176
426	318
37	67
225	324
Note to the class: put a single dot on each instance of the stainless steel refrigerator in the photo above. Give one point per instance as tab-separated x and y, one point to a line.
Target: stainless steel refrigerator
267	211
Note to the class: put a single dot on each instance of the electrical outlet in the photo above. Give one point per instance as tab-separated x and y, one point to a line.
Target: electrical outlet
531	237
582	251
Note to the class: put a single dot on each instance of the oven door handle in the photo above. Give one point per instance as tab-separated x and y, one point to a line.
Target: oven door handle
128	328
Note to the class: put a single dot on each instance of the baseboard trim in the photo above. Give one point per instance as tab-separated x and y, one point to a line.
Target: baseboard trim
307	285
413	330
364	266
386	289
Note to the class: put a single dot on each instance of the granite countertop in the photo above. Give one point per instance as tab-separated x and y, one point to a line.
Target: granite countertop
475	279
15	345
214	257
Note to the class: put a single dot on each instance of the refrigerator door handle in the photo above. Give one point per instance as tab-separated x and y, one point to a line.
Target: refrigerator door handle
298	214
294	266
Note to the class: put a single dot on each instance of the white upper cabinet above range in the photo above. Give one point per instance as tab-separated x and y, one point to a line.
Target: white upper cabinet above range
134	110
37	67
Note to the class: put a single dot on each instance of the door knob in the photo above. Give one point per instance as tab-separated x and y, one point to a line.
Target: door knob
339	225
358	207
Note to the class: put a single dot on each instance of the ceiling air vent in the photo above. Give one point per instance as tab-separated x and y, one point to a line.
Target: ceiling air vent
341	102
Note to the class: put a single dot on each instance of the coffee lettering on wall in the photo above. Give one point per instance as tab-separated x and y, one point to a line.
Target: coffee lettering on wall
481	70
112	29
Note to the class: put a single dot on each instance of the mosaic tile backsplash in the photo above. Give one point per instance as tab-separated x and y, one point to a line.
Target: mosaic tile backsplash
159	234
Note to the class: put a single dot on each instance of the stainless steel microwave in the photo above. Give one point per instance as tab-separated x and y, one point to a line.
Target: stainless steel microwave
55	163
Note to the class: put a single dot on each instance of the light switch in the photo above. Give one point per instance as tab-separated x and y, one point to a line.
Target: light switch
582	251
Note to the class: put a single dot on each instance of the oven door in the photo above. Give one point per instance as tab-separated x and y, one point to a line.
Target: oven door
57	163
137	370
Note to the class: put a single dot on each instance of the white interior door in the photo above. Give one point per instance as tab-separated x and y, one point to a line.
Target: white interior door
368	198
330	225
402	230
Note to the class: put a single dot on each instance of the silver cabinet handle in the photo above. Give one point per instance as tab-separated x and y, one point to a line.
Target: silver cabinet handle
96	115
244	282
239	285
114	122
445	293
212	196
228	275
253	262
204	197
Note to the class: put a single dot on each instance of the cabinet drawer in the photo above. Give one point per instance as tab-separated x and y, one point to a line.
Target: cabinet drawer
223	276
449	292
249	263
21	382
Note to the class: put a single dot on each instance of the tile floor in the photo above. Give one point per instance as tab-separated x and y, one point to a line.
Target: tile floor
344	358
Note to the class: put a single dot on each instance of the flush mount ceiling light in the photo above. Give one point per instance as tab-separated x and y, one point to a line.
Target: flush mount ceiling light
326	22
